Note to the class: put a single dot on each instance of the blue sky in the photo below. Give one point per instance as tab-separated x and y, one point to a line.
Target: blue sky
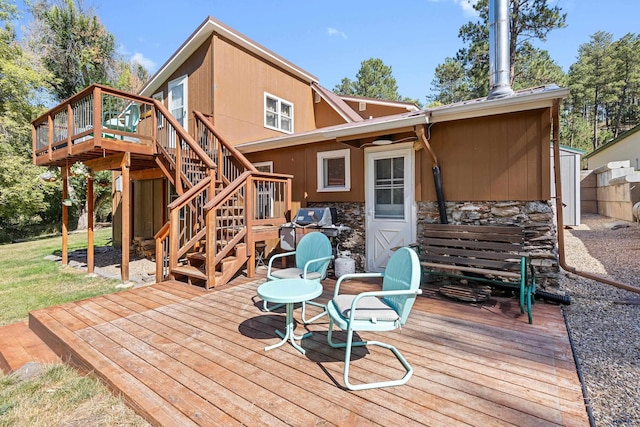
330	39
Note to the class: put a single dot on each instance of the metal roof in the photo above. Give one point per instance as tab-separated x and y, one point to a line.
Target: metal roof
528	99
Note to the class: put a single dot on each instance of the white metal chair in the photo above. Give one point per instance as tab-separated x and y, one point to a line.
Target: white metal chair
378	311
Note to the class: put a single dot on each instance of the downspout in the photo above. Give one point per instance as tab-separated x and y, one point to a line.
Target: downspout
437	177
559	214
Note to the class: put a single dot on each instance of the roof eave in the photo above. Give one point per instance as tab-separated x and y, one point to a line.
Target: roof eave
208	27
333	133
471	109
508	104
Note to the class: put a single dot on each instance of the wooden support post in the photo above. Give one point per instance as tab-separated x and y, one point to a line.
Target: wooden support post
65	215
126	221
210	263
97	116
249	210
178	178
90	213
69	130
287	201
50	137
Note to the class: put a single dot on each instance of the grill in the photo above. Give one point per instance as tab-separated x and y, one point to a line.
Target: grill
308	220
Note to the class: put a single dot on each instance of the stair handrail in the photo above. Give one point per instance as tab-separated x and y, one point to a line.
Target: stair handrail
232	238
226	191
176	235
188	195
162	251
184	134
236	153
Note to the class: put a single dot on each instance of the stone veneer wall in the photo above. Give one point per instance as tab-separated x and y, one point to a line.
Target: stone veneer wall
537	217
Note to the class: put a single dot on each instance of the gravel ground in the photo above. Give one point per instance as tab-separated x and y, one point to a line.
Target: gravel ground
604	320
107	261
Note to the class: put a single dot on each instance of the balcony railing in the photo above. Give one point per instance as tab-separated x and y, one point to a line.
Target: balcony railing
70	128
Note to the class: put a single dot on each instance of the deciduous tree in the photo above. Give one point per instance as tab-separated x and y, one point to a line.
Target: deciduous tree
74	46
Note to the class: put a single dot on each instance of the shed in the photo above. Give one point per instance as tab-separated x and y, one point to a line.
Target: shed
570	181
624	147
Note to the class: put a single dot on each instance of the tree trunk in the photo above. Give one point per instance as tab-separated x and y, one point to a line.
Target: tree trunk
83	219
595	120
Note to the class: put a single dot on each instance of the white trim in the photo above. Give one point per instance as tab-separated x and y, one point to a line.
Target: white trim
406	105
334	154
267	163
370	154
278	113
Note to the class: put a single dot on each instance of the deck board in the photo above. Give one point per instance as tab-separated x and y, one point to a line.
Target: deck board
182	355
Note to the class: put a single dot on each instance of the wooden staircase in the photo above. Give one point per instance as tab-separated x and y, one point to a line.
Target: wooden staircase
209	237
222	198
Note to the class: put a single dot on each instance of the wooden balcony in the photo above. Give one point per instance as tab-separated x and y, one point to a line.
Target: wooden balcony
95	123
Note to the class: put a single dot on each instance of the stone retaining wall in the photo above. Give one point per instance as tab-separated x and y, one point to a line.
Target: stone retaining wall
538	218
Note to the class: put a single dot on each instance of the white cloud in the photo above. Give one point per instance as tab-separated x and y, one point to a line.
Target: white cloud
335	32
467	6
145	62
122	50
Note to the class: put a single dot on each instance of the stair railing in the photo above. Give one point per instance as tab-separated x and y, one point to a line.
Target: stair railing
191	163
231	163
187	215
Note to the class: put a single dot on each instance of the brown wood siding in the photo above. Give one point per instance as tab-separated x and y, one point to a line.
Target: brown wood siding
374	110
241	79
301	162
326	115
199	71
493	158
148	205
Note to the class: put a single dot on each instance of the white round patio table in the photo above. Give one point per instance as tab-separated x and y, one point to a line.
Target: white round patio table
289	292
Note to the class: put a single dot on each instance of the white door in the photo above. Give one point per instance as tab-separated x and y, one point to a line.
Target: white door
390	204
177	102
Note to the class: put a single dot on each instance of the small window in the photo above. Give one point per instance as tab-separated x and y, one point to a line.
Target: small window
334	170
278	114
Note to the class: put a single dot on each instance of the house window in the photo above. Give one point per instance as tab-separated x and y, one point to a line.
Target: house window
159	117
334	170
278	114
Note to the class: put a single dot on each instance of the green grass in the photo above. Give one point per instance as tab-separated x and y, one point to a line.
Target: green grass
60	395
29	282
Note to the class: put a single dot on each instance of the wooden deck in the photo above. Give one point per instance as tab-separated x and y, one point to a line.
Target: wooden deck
183	356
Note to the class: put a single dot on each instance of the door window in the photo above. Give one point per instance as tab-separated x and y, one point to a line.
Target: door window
389	188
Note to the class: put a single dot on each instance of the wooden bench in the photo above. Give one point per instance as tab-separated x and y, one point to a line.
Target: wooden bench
491	254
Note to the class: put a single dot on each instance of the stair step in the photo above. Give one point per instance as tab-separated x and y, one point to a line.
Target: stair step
21	345
188	270
197	256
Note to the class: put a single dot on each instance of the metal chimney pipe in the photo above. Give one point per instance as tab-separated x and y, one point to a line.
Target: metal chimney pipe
499	66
